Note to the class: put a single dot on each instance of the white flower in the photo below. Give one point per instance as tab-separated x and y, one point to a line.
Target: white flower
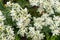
48	6
38	22
55	32
56	20
34	2
1	16
48	21
31	32
22	31
55	26
6	32
21	17
45	15
35	35
57	9
8	4
1	13
10	33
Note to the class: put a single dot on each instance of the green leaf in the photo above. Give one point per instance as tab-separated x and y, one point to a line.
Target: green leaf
1	5
47	36
16	37
53	37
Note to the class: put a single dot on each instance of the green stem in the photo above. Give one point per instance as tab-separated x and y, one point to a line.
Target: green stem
47	36
53	38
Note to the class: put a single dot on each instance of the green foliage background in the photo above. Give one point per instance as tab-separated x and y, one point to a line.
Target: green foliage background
31	10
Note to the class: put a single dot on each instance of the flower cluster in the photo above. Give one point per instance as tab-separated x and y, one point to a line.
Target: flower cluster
35	34
47	5
6	32
34	2
55	26
47	8
45	20
48	19
21	16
